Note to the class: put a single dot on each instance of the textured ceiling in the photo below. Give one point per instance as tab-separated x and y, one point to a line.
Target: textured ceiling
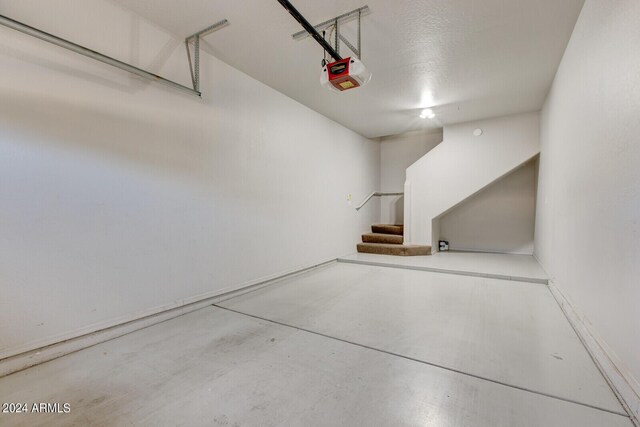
467	59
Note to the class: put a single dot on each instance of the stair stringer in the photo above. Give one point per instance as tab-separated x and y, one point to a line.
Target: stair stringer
461	166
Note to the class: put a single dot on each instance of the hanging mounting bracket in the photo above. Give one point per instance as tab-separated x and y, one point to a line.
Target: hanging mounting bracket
195	73
337	23
194	62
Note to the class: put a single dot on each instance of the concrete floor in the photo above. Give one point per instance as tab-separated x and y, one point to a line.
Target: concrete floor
344	345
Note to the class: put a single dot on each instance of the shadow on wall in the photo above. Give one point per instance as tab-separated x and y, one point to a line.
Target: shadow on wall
499	218
136	84
398	208
392	209
138	137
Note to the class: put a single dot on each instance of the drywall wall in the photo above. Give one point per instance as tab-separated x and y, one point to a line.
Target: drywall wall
462	165
588	213
500	218
397	153
120	197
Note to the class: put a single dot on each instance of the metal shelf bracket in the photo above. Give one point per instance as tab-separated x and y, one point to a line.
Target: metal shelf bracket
194	60
195	68
337	23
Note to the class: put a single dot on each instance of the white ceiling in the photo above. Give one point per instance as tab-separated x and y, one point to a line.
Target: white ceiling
468	59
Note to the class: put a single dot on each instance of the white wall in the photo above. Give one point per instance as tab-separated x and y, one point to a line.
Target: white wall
500	218
397	153
461	166
120	197
588	215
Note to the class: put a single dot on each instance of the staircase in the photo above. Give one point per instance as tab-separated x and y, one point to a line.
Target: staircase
386	239
462	165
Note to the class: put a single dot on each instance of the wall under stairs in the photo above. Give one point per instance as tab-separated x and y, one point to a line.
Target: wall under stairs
461	166
498	218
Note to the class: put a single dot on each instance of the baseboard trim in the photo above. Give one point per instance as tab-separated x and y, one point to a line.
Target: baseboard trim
446	271
119	327
621	382
480	251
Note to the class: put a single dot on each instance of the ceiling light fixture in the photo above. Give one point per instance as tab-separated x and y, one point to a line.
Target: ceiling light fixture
427	114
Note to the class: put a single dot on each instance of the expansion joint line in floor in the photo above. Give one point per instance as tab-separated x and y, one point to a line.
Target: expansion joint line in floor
390	353
447	271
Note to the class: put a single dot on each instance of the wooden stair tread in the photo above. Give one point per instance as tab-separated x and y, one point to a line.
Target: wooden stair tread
394	249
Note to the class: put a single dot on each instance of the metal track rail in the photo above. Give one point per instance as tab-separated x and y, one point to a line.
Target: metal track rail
309	29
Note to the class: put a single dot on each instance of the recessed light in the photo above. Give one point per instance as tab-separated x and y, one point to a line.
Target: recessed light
427	113
477	132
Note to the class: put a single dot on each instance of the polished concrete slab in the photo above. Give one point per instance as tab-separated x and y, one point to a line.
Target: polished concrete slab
216	367
508	332
500	266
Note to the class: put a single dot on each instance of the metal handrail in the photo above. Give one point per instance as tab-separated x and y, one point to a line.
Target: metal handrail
376	194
